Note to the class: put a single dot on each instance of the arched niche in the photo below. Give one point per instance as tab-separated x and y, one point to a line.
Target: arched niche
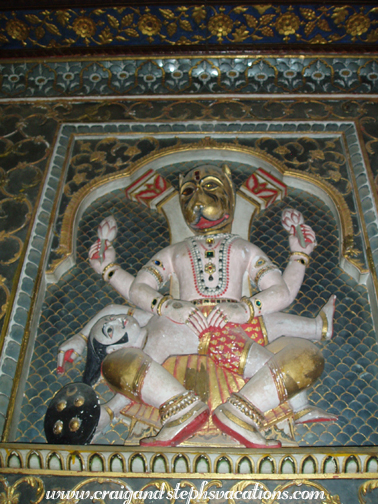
147	170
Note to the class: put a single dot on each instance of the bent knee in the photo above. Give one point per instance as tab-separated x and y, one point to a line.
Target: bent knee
301	364
124	371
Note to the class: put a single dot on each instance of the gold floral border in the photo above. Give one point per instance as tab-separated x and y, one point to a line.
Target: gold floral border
188	25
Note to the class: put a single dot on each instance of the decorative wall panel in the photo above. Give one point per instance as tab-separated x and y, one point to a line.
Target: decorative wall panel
71	128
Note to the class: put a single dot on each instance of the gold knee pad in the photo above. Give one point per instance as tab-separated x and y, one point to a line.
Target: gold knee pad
125	370
296	367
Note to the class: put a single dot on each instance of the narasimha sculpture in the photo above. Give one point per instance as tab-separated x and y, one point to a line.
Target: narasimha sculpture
248	335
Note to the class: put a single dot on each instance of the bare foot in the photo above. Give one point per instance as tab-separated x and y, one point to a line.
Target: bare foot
312	414
233	422
180	427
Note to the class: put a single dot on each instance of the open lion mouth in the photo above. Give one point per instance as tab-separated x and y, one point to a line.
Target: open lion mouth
204	223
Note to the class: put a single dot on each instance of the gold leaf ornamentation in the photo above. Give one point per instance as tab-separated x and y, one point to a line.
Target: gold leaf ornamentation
199	13
372	36
357	25
127	20
114	23
339	15
149	24
318	39
251	21
131	32
185	25
40	32
63	17
308	14
266	19
106	36
10	496
84	26
309	27
262	8
171	29
240	10
17	29
287	24
365	488
267	31
220	25
53	29
317	155
323	25
167	13
32	18
241	34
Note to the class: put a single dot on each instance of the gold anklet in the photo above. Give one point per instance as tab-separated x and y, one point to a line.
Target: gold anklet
324	326
176	404
247	408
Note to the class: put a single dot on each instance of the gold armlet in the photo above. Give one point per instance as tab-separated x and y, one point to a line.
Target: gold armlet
85	338
111	273
160	304
251	308
301	257
109	412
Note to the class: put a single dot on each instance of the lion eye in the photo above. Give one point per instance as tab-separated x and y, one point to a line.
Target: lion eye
188	191
210	185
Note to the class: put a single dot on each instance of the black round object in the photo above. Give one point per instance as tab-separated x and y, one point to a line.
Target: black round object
73	415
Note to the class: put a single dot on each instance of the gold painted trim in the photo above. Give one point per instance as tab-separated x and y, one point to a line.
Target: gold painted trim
16	278
288	55
204	342
263	330
200	476
243	357
365	488
324	326
36	288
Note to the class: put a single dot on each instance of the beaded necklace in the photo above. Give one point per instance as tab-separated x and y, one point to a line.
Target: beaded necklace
199	268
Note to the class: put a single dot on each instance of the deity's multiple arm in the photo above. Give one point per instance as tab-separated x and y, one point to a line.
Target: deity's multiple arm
277	292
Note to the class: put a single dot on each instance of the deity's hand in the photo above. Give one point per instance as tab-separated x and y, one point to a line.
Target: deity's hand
237	313
302	237
184	312
70	351
94	256
309	240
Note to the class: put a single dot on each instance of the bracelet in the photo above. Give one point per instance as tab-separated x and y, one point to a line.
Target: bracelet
305	261
160	304
109	412
251	308
111	265
85	338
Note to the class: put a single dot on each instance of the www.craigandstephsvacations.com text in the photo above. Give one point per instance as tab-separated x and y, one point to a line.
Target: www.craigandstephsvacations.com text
257	492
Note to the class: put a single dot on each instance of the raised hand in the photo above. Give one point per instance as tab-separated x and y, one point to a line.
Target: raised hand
69	351
302	237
